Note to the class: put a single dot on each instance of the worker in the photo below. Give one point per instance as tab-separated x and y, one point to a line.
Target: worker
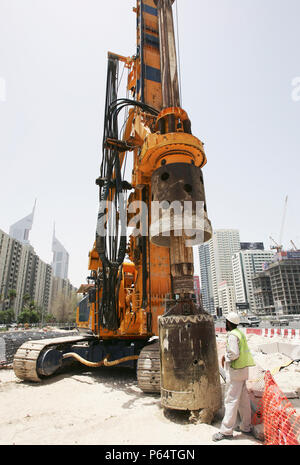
237	359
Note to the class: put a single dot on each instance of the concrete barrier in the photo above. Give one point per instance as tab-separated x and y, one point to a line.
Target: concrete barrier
290	350
269	332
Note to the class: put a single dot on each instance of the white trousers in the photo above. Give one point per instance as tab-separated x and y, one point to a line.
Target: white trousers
236	401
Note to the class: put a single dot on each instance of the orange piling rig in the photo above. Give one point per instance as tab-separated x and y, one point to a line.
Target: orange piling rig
164	151
136	279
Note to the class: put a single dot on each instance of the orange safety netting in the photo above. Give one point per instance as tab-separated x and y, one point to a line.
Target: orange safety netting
281	422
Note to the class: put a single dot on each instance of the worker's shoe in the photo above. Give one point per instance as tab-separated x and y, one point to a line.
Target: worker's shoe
219	436
249	433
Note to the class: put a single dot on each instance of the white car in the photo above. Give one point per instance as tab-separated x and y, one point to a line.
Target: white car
280	322
250	321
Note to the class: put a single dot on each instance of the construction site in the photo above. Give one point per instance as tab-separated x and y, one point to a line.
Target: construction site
145	362
105	406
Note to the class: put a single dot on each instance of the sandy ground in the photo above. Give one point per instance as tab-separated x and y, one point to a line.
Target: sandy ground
105	407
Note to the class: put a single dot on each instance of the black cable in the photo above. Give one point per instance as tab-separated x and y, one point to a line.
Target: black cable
112	240
108	310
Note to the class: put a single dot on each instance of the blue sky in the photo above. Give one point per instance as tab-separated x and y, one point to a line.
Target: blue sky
237	58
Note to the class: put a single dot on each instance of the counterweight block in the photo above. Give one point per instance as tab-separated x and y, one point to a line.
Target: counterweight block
190	377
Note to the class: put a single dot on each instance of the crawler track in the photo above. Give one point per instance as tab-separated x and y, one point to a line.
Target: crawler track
26	357
148	368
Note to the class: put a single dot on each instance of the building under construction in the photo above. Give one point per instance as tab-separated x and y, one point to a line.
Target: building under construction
277	288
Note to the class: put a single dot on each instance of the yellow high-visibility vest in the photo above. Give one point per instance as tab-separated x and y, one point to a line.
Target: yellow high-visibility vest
245	359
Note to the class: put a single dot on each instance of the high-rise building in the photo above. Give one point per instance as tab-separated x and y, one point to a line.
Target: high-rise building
20	230
14	270
223	244
63	295
217	284
262	292
206	289
26	276
60	262
245	264
284	273
197	290
9	258
43	285
226	297
22	271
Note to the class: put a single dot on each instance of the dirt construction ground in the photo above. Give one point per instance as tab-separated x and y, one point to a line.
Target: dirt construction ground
98	407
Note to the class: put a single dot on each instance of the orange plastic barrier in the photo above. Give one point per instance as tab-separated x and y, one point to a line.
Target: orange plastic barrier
281	423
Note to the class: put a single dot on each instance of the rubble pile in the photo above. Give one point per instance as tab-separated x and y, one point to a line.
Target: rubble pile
270	354
10	341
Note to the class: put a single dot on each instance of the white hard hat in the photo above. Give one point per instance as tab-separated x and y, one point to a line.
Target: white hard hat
233	317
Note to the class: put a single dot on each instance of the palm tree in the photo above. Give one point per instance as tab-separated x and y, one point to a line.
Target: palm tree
26	298
31	312
12	293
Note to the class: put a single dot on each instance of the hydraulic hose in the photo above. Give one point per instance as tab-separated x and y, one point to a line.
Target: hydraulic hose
121	360
83	361
104	362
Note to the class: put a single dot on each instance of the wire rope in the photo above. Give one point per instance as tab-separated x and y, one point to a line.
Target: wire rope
178	52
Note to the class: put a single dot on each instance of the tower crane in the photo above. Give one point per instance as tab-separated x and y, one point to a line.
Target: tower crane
276	246
294	245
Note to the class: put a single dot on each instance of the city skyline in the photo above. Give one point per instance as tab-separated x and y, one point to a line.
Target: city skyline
25	273
60	257
240	91
227	269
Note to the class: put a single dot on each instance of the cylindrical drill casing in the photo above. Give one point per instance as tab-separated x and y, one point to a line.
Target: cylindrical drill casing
190	377
178	205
